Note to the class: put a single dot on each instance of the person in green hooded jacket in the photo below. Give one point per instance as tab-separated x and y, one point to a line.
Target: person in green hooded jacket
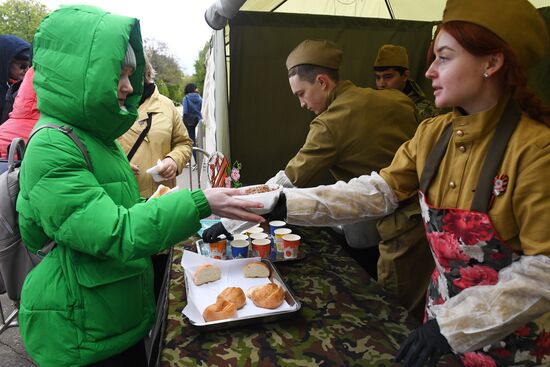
90	301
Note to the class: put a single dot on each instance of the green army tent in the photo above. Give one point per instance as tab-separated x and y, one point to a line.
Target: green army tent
250	112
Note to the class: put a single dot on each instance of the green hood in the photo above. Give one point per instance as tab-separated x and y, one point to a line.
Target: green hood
76	80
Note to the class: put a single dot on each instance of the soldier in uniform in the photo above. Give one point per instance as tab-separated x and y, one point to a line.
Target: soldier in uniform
391	70
482	175
356	131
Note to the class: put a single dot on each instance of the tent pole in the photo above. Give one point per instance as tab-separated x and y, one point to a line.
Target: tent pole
390	10
279	5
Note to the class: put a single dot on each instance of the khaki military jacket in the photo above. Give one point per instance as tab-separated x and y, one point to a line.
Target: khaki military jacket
520	213
424	107
359	132
167	138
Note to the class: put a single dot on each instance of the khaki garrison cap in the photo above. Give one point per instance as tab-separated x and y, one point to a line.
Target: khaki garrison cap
515	21
392	55
320	53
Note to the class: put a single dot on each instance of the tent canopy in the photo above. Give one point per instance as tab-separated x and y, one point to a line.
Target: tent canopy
257	120
426	10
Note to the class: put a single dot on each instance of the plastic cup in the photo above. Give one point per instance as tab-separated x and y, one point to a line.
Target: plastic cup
278	237
274	224
217	249
239	249
291	242
261	248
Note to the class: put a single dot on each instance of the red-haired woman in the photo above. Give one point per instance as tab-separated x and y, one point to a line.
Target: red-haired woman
482	174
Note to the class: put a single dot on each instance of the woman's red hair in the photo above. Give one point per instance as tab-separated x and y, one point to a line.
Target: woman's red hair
481	42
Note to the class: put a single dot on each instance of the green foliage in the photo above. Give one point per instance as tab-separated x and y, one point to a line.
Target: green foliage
169	77
200	67
175	92
21	17
163	89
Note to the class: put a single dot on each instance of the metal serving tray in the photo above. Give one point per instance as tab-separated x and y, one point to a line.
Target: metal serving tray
203	249
269	316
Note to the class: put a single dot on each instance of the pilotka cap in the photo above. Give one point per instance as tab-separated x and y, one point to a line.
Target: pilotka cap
517	22
320	53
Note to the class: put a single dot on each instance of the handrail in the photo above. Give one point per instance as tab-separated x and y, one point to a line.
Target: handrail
199	166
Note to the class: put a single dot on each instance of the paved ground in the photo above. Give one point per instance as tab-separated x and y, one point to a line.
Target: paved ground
12	352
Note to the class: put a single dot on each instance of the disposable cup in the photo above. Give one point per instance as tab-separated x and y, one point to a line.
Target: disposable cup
258	236
217	249
261	248
241	237
278	237
274	224
252	230
291	243
239	248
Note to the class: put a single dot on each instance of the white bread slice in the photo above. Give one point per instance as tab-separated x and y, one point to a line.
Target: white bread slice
207	273
256	270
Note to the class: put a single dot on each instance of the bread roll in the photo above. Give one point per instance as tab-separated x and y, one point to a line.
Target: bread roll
250	290
207	273
161	190
220	310
267	296
234	295
256	270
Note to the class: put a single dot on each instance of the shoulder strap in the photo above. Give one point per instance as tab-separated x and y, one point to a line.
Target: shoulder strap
434	159
503	131
140	137
17	146
506	127
69	132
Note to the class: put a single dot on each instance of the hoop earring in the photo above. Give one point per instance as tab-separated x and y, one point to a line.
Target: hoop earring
485	75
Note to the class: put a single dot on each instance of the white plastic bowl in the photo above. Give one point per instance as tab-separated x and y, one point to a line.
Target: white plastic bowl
268	199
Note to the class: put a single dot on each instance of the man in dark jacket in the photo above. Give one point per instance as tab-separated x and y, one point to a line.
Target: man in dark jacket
15	60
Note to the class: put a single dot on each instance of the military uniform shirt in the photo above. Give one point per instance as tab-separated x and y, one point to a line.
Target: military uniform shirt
424	107
519	212
359	132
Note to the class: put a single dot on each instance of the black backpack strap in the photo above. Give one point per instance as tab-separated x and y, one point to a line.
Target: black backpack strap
70	133
141	137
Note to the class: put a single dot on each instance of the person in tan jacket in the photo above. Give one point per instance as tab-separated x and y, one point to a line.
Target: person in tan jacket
482	176
167	139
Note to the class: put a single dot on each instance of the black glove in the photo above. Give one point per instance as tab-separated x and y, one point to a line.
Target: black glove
279	211
212	233
424	345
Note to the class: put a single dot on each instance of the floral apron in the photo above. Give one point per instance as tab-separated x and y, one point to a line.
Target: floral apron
468	252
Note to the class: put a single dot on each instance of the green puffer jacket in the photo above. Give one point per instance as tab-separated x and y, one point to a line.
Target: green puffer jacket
92	296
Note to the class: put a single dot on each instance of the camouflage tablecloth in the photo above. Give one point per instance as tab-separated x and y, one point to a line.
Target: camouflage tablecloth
346	318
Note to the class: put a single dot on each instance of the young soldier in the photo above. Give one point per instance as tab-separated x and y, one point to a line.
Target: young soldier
391	70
